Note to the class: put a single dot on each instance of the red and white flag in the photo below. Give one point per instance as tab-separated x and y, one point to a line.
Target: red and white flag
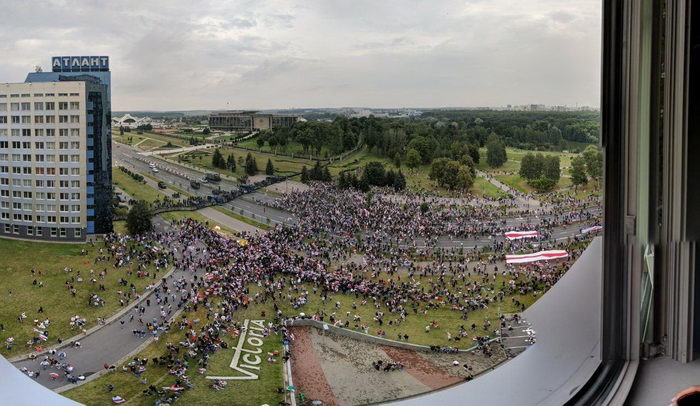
537	256
516	235
591	229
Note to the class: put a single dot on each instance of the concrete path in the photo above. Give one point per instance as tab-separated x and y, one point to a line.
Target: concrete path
228	221
112	342
178	150
524	201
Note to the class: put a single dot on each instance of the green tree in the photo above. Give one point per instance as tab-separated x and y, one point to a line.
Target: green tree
397	160
578	171
528	168
474	153
269	169
437	170
495	151
206	131
551	168
399	182
260	141
363	184
424	207
217	160
594	161
231	163
375	174
251	167
413	159
343	181
138	221
449	176
424	146
326	176
465	180
542	184
467	161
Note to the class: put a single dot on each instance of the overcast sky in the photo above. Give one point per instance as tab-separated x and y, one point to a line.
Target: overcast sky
198	54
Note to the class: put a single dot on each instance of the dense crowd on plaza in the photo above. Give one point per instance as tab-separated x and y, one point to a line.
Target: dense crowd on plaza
291	264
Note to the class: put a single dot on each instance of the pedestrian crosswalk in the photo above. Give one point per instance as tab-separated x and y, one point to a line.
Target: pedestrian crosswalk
517	334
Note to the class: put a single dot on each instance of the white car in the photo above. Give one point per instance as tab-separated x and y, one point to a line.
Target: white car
154	170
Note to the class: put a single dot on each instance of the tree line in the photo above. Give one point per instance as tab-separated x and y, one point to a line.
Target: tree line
250	165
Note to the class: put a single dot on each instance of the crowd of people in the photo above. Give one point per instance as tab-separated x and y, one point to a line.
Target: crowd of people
312	260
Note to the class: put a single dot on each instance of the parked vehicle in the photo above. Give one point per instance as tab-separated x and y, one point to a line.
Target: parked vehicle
195	185
161	185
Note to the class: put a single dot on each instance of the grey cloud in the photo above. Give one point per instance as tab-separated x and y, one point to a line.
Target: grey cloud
169	54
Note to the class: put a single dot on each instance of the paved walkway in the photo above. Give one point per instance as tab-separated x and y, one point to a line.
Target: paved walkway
109	344
228	221
523	201
178	150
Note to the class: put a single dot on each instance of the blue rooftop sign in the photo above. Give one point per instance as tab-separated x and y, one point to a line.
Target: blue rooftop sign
80	63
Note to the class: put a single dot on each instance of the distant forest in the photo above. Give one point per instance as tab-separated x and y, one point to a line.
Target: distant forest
527	129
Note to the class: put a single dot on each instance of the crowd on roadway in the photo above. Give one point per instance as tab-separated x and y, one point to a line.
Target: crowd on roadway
314	258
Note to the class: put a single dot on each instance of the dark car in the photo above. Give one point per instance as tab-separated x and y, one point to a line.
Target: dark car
195	185
161	185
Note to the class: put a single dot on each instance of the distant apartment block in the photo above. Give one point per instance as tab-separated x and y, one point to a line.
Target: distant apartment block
250	121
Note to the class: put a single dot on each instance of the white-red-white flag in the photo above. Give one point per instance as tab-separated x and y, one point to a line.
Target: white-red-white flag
516	235
591	229
537	256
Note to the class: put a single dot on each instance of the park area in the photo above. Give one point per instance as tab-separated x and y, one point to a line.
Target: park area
346	362
203	158
130	387
36	280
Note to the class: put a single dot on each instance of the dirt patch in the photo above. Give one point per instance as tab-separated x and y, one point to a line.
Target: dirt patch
338	370
307	374
420	368
348	367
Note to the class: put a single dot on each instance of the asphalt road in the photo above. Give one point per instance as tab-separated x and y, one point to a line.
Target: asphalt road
253	205
110	343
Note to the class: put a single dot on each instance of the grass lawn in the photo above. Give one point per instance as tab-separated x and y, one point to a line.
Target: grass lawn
120	227
516	155
520	184
137	190
164	139
292	147
516	182
54	297
149	144
416	179
243	218
283	165
483	187
249	392
124	139
263	390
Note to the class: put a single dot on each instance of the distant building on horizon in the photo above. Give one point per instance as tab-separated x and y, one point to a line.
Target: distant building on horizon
56	152
129	121
248	121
